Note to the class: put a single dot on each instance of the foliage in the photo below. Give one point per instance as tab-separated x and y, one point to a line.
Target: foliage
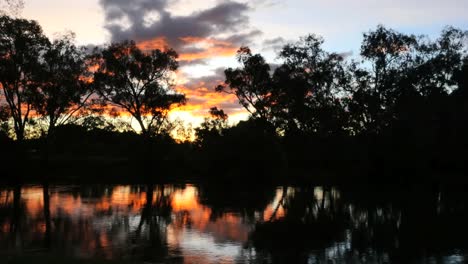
309	89
138	82
22	43
64	90
212	128
251	84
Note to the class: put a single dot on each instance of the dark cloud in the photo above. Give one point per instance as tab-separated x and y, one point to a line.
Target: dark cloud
274	41
274	44
126	20
193	62
244	38
208	81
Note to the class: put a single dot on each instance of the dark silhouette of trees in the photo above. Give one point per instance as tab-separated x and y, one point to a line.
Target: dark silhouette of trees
309	86
65	87
399	103
21	45
212	128
375	87
251	84
406	75
251	146
393	104
138	82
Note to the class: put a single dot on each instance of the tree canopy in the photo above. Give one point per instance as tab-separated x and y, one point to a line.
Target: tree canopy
65	87
22	43
138	82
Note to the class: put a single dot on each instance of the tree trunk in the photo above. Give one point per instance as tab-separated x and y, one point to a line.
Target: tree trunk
19	131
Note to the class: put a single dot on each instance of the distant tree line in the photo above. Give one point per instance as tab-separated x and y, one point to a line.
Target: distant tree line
401	102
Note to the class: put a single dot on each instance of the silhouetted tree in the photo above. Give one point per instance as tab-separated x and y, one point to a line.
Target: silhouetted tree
64	89
21	46
309	86
251	84
389	56
212	127
138	82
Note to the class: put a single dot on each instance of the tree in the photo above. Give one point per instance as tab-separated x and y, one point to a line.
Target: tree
437	62
212	127
462	79
388	56
251	84
309	86
22	44
425	86
65	87
138	82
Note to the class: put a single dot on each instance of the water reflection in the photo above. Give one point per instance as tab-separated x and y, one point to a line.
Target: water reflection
235	224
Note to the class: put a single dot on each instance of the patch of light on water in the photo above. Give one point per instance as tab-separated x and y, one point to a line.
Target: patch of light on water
454	259
193	243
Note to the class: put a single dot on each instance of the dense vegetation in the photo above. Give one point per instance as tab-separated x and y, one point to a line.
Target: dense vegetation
400	105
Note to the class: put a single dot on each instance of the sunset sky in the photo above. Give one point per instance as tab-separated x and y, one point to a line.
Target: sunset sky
207	33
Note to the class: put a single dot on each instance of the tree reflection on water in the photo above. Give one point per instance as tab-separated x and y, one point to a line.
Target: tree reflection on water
235	224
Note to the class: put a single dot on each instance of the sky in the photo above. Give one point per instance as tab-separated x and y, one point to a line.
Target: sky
207	33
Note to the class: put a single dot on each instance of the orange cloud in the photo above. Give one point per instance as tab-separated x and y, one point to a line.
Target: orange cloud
206	47
202	98
210	53
152	44
209	47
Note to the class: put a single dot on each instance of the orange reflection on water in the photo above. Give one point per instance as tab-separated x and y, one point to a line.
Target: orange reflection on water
275	210
102	221
124	199
185	204
186	200
34	201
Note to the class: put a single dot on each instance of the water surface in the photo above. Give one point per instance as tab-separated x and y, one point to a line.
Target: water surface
234	224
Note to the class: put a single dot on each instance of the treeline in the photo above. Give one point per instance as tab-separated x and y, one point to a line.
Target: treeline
61	83
397	107
399	104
